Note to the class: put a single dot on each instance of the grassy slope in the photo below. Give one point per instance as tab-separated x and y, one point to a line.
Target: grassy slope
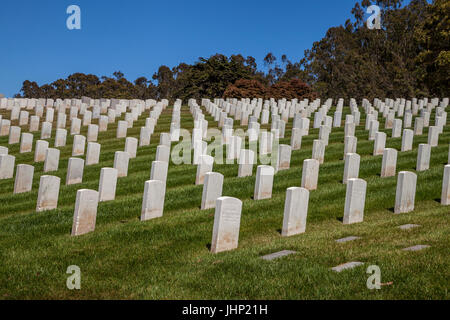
168	258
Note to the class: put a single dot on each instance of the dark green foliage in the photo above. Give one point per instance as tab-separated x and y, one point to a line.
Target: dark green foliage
408	57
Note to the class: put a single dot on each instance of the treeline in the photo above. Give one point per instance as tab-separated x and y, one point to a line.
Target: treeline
408	57
216	76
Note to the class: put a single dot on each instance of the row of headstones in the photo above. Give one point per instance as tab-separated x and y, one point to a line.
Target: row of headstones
154	190
353	120
320	116
241	110
399	105
24	173
357	187
14	131
76	123
228	210
87	200
113	109
265	143
389	158
30	103
310	168
262	169
112	112
224	116
79	141
51	156
108	176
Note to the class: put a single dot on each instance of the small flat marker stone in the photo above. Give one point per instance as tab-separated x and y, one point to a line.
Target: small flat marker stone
277	255
416	248
347	239
408	226
348	265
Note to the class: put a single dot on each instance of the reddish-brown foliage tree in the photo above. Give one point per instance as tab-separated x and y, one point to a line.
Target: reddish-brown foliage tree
244	88
292	89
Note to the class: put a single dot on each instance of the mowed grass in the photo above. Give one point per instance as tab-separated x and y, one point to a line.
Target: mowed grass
168	258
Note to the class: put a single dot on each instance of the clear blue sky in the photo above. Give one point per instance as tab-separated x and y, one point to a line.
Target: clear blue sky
137	36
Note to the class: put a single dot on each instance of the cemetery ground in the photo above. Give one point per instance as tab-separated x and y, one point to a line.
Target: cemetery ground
169	257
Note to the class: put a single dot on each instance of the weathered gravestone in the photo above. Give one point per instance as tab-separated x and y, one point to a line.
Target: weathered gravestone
121	161
14	135
318	151
159	171
34	124
351	166
92	133
284	157
227	220
93	153
406	192
296	139
162	153
433	136
380	143
24	178
445	195
46	131
131	147
295	211
418	126
212	189
350	144
205	165
6	166
75	126
122	128
355	199
51	160
107	184
79	143
145	136
389	164
26	145
153	202
85	214
40	150
60	138
165	139
310	174
48	193
264	182
75	170
246	162
407	140
423	157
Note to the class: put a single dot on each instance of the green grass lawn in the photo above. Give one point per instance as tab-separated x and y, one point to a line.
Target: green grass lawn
168	258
